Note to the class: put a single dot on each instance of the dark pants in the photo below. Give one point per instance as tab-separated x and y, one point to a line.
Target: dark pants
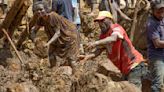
137	74
157	72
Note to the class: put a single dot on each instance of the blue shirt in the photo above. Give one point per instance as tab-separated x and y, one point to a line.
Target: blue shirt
63	8
155	30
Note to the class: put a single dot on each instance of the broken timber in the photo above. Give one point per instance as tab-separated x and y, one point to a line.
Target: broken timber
15	15
13	20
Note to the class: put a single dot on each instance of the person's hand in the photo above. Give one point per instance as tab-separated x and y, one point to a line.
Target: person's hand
129	19
81	57
90	45
46	45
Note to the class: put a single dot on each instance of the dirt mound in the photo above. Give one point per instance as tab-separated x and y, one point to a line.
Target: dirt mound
36	76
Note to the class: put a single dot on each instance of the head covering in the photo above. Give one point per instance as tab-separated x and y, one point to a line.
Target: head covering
104	14
157	5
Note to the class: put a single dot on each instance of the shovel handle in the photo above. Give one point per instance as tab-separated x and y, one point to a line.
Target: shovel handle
13	46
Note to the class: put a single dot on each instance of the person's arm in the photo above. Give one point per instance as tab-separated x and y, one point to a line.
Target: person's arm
55	36
106	40
153	34
118	33
158	43
97	52
94	54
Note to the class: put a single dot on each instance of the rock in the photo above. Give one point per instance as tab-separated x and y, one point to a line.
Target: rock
39	49
121	86
22	87
31	65
14	67
64	70
13	64
35	76
92	82
96	82
107	68
28	45
2	68
128	87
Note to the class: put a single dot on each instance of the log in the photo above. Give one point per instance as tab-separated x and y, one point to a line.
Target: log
15	15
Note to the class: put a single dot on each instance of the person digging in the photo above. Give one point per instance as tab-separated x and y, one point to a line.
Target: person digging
119	48
63	38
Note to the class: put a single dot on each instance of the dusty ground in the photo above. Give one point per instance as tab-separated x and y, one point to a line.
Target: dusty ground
36	76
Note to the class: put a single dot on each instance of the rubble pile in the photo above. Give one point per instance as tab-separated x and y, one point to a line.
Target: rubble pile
98	75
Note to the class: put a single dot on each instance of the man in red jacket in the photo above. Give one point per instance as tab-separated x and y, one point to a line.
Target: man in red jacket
119	49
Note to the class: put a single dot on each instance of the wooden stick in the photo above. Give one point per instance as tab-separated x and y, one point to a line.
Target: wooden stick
112	10
13	46
134	21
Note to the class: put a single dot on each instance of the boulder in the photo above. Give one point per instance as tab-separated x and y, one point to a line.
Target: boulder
108	69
